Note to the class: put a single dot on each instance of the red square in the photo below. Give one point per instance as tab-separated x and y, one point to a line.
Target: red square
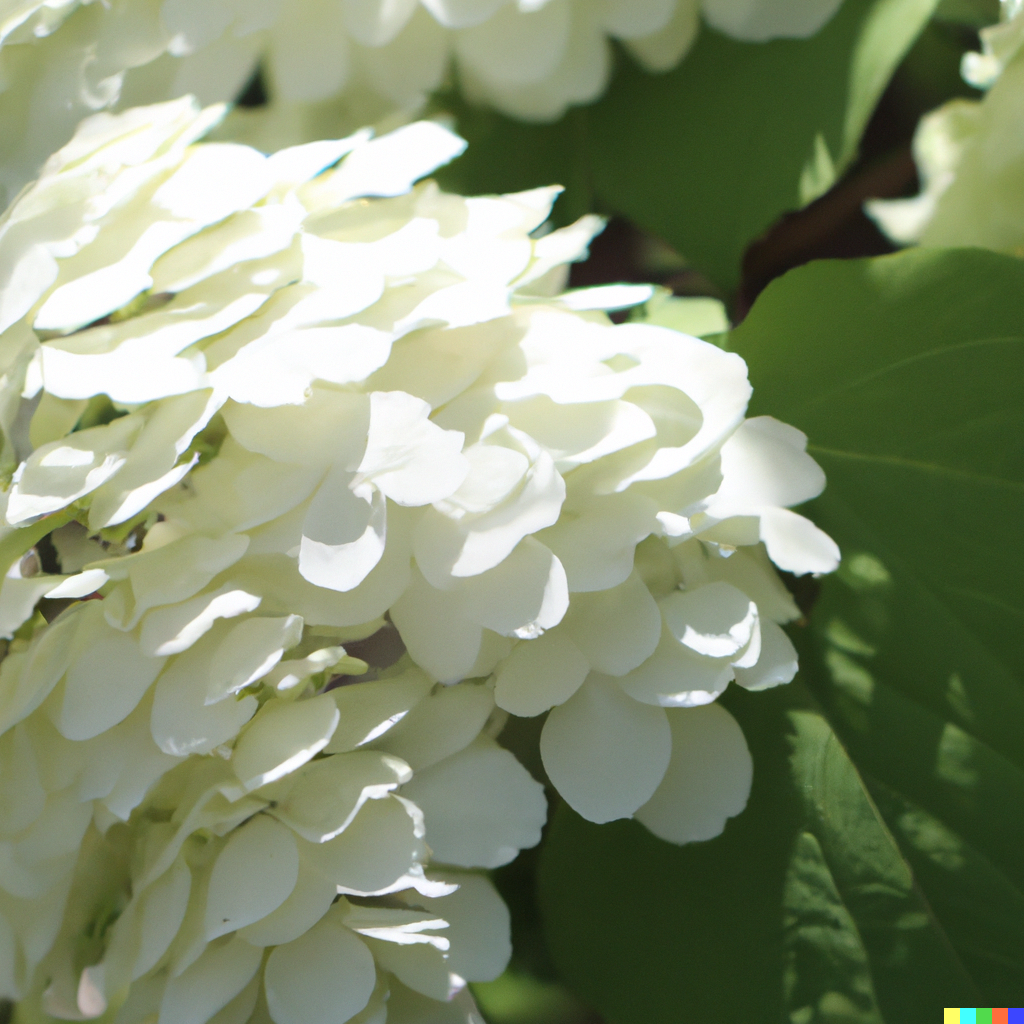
999	1016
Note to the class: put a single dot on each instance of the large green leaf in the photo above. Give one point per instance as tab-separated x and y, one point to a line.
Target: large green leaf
907	373
878	872
708	155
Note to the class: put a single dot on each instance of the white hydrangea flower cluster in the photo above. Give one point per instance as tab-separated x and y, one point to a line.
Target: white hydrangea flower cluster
256	409
968	156
281	880
178	796
528	58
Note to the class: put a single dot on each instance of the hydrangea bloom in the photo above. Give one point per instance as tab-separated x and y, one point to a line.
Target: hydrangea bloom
529	58
968	156
217	898
260	406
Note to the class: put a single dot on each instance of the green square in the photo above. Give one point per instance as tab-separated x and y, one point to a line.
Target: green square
984	1015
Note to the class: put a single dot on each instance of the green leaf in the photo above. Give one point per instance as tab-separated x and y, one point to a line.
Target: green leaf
878	871
907	373
710	154
803	909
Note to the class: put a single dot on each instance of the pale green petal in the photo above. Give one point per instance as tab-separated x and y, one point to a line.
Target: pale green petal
478	926
252	876
326	795
105	681
439	725
376	850
324	977
308	901
248	652
371	709
210	983
281	738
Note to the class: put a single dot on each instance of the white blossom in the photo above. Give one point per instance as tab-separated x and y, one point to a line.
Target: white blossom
264	409
247	878
529	58
968	156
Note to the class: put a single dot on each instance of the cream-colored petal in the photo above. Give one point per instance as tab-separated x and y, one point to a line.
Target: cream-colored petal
480	806
324	977
604	752
708	777
252	876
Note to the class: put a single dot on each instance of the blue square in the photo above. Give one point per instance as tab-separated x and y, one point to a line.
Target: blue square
1016	1015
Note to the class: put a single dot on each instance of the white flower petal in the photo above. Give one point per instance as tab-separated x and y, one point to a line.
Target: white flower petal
183	723
66	470
708	778
616	629
408	1007
777	662
409	458
165	573
388	166
760	20
161	910
194	996
539	674
375	24
481	806
596	544
514	47
795	544
524	595
765	462
252	876
369	710
438	637
324	977
676	676
420	966
176	627
328	794
474	544
717	620
281	738
248	652
343	534
478	926
378	848
604	752
329	426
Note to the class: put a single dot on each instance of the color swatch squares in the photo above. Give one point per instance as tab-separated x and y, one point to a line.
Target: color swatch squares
983	1015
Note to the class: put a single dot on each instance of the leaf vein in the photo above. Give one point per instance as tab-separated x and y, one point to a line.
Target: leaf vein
933	468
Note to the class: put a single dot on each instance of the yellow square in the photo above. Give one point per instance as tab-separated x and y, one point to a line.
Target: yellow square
951	1015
